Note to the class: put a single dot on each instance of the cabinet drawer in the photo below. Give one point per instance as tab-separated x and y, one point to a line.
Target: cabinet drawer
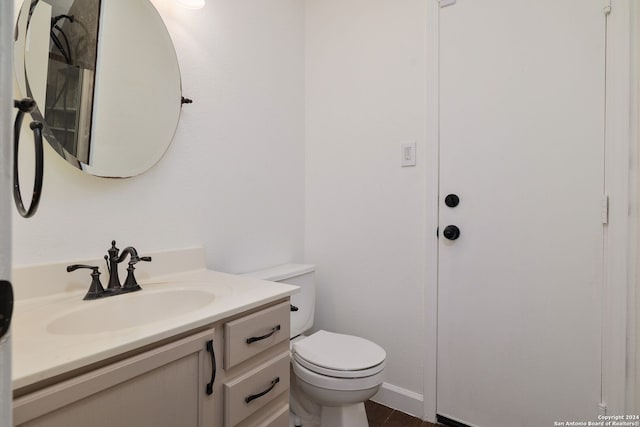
250	335
253	390
279	419
276	414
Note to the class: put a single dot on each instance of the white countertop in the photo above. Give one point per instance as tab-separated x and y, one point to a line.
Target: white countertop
40	353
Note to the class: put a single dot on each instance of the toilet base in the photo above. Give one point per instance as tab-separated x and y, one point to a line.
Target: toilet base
344	416
294	420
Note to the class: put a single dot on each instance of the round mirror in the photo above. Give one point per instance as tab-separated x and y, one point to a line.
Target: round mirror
105	77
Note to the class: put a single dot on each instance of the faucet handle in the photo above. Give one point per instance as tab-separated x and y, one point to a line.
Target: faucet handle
134	259
74	267
131	284
95	290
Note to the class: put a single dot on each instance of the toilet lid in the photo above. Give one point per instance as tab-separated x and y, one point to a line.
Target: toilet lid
338	352
335	373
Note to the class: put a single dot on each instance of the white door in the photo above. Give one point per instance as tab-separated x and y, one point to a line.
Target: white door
521	144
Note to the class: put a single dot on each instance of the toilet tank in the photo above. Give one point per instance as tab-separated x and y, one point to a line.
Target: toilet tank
302	275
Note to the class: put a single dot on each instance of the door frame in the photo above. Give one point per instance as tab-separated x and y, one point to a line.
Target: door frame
616	233
6	205
432	138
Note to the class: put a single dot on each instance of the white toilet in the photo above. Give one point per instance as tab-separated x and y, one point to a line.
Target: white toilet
333	374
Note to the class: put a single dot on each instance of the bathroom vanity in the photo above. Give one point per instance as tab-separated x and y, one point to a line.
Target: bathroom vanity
193	348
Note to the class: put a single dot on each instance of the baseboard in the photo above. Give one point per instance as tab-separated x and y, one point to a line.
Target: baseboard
401	399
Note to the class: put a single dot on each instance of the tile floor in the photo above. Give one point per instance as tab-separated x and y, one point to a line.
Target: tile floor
381	416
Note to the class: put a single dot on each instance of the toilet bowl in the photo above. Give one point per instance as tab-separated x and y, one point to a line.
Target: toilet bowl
333	374
338	372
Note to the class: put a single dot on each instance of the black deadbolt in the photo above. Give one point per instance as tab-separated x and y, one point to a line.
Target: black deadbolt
452	200
451	232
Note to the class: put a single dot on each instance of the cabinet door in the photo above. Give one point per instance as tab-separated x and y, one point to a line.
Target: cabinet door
165	386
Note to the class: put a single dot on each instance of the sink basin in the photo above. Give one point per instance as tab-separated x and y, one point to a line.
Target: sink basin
129	310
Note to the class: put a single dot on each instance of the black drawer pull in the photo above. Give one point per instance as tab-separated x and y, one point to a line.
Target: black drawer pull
254	339
213	367
255	396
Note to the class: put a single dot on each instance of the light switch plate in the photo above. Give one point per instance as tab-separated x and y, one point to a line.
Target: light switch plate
408	154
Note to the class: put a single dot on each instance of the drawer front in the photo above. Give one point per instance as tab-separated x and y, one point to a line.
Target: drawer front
280	418
274	415
253	390
252	334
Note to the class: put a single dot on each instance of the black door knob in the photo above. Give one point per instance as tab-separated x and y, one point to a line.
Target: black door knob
6	306
452	200
451	232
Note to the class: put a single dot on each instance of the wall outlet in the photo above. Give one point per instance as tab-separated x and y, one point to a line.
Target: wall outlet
408	154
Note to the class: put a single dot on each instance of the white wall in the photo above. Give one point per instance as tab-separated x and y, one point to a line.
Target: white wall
233	179
366	216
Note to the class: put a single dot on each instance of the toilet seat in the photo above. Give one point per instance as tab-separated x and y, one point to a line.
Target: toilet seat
337	373
339	355
336	384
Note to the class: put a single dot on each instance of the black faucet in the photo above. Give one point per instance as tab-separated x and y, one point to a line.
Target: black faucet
113	259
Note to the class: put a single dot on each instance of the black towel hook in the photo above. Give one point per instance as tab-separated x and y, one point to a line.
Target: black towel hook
27	105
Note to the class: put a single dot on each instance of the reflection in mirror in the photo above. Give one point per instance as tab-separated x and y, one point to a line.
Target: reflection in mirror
105	78
71	74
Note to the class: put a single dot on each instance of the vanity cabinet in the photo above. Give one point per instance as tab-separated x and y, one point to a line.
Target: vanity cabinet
166	384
